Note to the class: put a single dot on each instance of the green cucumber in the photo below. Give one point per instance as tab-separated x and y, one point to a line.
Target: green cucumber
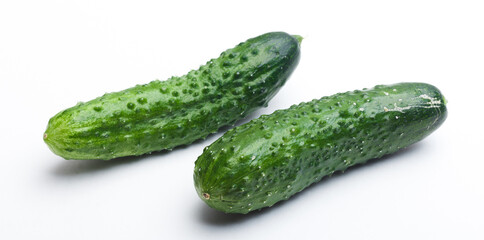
165	114
276	156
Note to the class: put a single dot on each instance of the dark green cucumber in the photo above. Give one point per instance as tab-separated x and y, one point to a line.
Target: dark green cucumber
275	156
165	114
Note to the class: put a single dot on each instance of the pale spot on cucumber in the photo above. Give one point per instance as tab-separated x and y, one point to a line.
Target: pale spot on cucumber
206	196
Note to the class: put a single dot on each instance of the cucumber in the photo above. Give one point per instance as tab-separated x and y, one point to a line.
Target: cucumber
275	156
165	114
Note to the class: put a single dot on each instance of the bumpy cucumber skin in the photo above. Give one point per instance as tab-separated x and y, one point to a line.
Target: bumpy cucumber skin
165	114
275	156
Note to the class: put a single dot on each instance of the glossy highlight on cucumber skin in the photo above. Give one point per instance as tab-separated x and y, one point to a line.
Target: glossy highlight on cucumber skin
165	114
276	156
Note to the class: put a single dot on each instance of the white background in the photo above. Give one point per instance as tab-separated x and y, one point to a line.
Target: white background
56	53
